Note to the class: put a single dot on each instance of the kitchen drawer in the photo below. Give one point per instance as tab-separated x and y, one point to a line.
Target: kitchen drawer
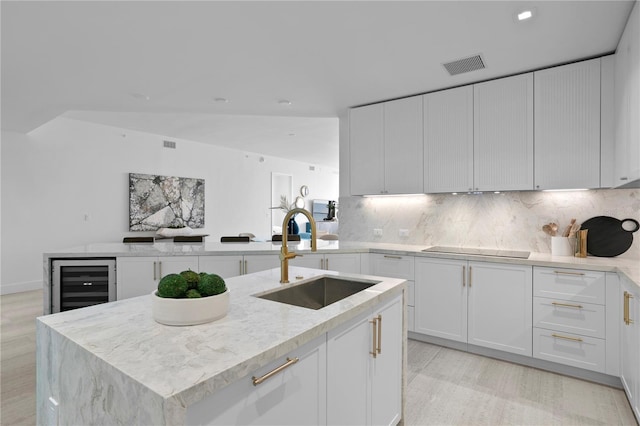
586	319
392	266
569	284
569	349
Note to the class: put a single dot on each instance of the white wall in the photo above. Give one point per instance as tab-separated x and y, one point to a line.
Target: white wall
69	169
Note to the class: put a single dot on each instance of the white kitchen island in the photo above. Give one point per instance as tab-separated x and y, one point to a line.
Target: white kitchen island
113	364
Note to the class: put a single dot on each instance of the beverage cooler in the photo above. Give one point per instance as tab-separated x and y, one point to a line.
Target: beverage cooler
77	283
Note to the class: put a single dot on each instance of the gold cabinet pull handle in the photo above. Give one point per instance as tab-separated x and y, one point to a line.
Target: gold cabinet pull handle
326	264
392	257
246	262
464	278
240	262
374	323
568	273
568	305
625	317
290	361
154	271
160	269
379	333
469	276
574	339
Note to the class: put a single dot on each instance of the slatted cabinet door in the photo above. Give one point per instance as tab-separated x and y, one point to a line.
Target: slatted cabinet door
567	126
503	134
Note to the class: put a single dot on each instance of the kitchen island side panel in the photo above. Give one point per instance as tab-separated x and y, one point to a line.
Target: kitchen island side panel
88	390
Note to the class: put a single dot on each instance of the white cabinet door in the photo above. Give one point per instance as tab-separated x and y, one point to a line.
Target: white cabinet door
403	163
364	366
627	102
136	276
349	381
441	298
630	344
260	262
294	396
500	307
567	126
343	262
225	266
386	385
503	134
448	140
366	150
308	260
176	264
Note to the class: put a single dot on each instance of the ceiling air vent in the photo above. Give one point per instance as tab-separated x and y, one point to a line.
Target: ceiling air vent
472	63
169	144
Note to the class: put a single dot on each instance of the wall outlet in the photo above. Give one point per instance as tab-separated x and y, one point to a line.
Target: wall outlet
403	232
377	232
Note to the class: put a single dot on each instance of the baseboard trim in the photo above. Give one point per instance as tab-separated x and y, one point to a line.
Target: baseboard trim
20	287
579	373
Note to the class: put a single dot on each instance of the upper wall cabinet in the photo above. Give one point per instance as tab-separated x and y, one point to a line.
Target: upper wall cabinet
386	148
366	149
448	140
627	103
567	126
503	134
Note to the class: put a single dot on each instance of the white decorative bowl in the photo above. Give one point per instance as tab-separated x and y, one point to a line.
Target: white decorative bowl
189	311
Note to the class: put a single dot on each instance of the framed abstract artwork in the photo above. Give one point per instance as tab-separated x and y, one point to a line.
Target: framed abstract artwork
165	202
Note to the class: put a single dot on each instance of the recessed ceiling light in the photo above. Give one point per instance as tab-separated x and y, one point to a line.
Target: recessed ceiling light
292	134
524	15
284	102
221	100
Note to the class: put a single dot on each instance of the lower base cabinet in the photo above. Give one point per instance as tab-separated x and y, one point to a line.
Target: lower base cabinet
139	276
630	344
364	358
500	307
336	380
480	303
294	396
343	262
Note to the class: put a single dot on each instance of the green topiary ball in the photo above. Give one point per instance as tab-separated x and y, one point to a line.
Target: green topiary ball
193	294
172	286
192	278
211	284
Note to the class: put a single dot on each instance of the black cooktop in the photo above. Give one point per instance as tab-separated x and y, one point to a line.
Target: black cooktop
479	251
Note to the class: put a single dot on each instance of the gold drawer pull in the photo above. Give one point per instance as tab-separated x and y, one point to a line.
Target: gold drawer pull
568	273
568	305
392	257
290	362
575	339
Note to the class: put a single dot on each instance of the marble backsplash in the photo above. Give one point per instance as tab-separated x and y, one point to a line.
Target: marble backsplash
508	221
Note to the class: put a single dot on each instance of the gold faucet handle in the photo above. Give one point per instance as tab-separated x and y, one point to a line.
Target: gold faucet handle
288	255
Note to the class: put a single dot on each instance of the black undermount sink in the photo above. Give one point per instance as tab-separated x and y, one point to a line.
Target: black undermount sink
318	292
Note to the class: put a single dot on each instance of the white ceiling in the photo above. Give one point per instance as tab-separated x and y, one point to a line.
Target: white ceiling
100	61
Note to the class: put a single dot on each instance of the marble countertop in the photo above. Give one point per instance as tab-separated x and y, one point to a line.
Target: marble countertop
629	267
181	365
